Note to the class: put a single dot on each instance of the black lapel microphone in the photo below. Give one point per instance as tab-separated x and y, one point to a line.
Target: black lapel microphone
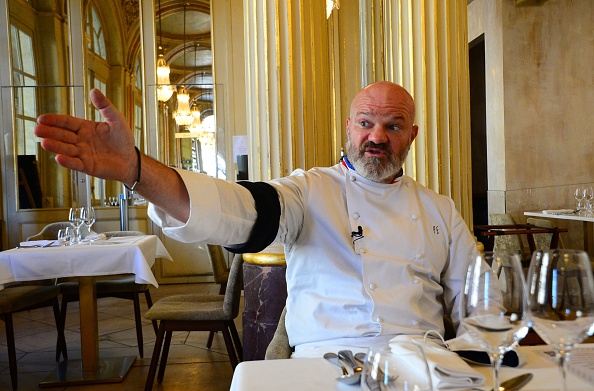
357	234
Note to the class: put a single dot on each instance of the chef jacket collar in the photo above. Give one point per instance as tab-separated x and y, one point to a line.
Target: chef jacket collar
345	162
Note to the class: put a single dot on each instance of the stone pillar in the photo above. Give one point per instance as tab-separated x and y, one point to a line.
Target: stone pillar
265	295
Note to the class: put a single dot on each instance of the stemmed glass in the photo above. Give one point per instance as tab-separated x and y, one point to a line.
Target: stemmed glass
88	217
493	306
399	365
76	221
579	195
588	195
561	295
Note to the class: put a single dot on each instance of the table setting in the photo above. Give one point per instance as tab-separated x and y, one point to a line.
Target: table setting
497	309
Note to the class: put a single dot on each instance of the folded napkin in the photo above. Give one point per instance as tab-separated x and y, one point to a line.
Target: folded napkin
558	211
96	237
448	370
40	243
465	347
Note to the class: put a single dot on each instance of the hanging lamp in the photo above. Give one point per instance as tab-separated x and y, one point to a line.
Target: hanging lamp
164	87
183	115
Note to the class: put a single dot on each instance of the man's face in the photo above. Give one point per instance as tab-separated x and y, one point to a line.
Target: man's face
380	131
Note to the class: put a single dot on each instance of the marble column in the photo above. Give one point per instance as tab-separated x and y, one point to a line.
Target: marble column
265	295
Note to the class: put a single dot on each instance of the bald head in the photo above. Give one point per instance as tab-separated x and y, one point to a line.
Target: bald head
385	95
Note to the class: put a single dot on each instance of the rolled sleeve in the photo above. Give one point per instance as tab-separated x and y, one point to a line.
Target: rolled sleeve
220	212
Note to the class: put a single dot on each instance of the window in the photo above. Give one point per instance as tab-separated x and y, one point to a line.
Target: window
95	36
25	102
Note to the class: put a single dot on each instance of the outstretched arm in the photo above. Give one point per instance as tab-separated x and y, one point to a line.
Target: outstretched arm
106	150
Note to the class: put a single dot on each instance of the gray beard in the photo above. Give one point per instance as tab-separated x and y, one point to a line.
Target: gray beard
373	168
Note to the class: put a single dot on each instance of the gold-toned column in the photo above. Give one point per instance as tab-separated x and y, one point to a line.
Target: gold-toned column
422	45
289	87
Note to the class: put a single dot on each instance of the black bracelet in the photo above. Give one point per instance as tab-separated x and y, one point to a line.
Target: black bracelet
138	176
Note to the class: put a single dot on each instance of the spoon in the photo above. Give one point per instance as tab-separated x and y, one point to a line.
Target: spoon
346	378
347	357
515	383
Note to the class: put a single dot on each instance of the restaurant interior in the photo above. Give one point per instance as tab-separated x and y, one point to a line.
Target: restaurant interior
243	89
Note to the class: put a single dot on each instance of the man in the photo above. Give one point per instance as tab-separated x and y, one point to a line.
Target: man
370	253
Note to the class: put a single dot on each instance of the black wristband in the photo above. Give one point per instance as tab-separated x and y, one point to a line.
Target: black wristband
138	176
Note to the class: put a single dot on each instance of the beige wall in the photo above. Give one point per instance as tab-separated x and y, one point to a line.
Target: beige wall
539	103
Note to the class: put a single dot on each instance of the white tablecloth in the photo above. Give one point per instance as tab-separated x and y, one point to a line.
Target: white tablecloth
318	374
118	255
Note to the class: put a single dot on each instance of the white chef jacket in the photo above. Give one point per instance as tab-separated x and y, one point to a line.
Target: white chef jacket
398	274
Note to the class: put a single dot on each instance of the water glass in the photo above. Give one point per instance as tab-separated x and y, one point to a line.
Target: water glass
400	365
65	236
561	288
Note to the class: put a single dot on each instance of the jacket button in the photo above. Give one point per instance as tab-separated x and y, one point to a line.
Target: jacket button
372	286
353	179
379	319
356	215
413	217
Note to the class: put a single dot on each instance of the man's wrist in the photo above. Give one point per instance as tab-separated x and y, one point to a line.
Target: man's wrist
139	165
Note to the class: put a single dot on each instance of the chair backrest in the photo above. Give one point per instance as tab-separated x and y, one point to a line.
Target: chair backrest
542	241
111	234
234	287
50	231
220	270
511	244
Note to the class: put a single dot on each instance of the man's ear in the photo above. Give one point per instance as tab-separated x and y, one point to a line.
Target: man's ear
415	131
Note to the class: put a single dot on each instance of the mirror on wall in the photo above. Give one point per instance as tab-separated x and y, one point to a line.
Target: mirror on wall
185	87
42	63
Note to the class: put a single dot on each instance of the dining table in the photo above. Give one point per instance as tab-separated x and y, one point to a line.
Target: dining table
87	262
318	374
587	220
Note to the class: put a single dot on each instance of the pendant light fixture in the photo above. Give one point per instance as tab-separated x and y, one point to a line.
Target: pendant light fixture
182	115
164	88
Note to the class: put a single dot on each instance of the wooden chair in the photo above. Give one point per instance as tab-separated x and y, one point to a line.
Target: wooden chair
120	286
220	272
198	312
23	297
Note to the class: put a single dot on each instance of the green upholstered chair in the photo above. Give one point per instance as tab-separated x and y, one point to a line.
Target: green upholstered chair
122	286
198	312
18	297
220	272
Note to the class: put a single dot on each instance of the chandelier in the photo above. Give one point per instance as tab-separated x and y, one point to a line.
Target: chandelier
183	115
196	125
164	89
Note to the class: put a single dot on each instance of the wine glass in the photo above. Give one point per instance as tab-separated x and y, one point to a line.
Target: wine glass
588	195
74	216
579	195
561	296
65	236
399	365
88	217
493	306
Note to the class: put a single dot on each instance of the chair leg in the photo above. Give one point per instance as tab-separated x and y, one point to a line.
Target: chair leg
11	349
150	378
149	304
236	340
164	357
230	347
137	318
210	338
61	345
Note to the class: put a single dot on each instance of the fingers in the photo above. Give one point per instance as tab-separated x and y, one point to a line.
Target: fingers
60	121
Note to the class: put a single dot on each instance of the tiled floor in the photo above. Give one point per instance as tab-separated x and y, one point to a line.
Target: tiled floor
190	364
